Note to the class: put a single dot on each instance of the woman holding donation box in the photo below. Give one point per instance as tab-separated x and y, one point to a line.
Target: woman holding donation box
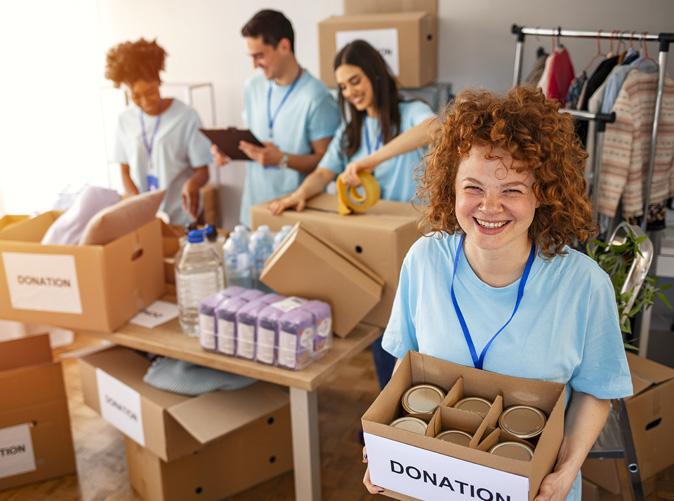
158	142
369	96
494	283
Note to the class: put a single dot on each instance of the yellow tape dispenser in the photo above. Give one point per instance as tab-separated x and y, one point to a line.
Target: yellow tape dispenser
350	198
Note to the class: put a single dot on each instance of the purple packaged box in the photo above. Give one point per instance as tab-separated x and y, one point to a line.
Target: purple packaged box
323	324
207	323
233	291
251	295
225	314
267	328
246	328
271	298
296	339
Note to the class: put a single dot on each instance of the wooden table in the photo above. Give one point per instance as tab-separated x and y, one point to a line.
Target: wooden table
168	340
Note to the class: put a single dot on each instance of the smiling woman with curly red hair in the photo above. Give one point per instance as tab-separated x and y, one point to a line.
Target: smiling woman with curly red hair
494	284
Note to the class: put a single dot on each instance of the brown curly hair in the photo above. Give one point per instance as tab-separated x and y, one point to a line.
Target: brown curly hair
129	62
529	127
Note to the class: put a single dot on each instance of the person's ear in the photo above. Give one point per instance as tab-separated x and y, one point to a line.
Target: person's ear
284	45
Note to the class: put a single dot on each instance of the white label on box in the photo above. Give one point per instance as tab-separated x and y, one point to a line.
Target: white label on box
245	342
156	314
385	41
42	282
120	406
428	475
225	336
288	304
16	451
207	331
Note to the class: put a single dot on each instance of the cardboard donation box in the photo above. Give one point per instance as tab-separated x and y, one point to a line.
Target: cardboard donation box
421	466
405	34
651	416
379	239
306	265
35	438
87	287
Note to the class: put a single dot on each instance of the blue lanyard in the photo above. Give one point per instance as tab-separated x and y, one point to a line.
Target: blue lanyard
478	362
148	146
269	116
367	138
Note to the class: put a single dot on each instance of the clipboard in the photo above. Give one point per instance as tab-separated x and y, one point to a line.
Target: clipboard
228	141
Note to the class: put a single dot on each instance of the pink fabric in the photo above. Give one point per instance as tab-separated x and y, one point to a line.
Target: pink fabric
561	75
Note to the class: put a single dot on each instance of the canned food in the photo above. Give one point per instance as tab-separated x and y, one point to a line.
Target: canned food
473	404
522	421
458	437
410	423
422	399
513	450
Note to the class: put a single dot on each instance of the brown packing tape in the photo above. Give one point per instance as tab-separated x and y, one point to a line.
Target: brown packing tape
350	199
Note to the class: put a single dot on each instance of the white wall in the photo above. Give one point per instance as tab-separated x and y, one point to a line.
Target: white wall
53	56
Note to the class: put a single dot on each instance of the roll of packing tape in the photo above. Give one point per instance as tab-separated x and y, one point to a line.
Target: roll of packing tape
350	198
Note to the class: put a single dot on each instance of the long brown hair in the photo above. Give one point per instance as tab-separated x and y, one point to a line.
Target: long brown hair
362	54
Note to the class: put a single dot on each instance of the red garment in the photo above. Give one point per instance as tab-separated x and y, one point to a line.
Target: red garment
561	75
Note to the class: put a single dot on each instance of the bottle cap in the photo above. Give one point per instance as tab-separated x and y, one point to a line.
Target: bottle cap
211	233
458	437
473	404
522	421
422	399
513	450
196	236
409	423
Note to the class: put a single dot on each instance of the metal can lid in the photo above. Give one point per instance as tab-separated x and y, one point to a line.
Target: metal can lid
522	421
458	437
422	399
410	423
473	404
513	450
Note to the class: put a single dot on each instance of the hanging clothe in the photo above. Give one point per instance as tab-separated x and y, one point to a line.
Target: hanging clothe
573	96
593	82
561	75
537	69
615	81
625	157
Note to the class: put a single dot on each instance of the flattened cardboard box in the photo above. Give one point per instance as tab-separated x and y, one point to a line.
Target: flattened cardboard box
252	454
407	40
88	287
651	415
167	424
308	266
416	466
35	436
379	239
378	6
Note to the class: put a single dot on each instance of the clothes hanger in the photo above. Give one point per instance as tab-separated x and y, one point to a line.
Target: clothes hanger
598	54
613	34
540	51
645	48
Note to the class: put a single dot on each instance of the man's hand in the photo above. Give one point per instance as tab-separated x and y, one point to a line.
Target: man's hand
190	196
267	155
219	158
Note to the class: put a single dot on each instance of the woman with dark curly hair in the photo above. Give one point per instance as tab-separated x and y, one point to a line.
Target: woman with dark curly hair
158	142
494	283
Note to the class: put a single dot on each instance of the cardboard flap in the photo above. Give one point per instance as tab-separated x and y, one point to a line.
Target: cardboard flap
237	408
377	6
646	373
30	230
328	203
22	352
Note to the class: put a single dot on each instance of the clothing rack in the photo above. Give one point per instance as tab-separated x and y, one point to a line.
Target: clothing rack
664	38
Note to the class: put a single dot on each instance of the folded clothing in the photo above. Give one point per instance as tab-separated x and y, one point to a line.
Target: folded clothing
186	378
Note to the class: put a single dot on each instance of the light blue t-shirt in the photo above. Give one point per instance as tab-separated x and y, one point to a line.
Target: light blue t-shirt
177	147
309	113
565	330
618	76
395	176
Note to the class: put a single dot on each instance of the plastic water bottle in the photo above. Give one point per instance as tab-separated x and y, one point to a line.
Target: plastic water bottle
199	273
243	231
237	261
217	241
260	249
280	236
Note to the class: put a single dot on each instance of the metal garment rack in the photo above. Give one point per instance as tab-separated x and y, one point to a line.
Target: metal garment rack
664	38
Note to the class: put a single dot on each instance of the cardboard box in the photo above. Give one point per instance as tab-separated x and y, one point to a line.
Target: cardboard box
377	6
610	476
308	266
169	425
651	416
254	453
379	238
407	464
407	40
7	221
89	287
35	436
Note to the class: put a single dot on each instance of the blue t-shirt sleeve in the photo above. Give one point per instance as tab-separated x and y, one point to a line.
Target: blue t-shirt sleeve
198	145
603	371
415	113
324	118
334	159
400	335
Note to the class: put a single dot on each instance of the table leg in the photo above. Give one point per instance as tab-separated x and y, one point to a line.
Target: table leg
306	453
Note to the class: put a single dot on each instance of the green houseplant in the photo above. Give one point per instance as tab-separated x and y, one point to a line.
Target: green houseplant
626	259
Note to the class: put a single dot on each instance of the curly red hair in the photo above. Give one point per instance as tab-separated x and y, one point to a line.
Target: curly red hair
530	128
129	62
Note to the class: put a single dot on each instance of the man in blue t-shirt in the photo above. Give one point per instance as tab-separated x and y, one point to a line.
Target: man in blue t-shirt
287	109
